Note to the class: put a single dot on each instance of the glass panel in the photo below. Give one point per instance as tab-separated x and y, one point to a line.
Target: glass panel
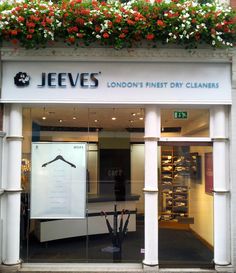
113	228
186	206
115	222
53	240
185	123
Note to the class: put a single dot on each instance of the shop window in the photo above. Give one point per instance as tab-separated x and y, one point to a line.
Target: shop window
112	230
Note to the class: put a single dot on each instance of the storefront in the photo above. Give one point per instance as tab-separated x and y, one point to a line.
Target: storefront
118	157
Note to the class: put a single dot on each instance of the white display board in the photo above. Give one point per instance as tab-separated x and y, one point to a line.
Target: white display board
58	180
116	82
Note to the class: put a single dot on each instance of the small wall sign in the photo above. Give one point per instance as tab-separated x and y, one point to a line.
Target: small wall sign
180	115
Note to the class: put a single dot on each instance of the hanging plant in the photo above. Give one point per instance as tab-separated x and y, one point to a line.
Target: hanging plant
34	24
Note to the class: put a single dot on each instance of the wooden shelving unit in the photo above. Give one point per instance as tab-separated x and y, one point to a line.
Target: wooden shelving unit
174	190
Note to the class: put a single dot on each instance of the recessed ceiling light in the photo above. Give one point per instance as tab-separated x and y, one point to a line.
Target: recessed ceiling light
113	118
141	118
131	121
95	120
60	120
44	114
74	117
133	114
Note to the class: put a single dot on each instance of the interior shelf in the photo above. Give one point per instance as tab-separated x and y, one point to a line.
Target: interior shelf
176	166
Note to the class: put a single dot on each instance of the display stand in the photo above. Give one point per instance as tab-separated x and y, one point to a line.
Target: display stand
117	234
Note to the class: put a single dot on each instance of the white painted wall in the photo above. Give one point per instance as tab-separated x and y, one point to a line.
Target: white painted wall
200	203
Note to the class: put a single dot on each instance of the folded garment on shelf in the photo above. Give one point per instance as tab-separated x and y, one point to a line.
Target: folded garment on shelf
166	176
167	161
180	204
166	183
167	168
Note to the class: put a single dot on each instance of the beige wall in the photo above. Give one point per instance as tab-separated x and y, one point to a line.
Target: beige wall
200	203
137	174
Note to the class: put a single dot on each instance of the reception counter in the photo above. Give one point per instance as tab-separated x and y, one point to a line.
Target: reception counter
48	230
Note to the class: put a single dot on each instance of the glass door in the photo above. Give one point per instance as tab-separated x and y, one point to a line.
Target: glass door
186	205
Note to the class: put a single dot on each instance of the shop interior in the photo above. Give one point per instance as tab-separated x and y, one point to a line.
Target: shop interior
113	229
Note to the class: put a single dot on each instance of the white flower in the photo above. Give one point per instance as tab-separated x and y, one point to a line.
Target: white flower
6	12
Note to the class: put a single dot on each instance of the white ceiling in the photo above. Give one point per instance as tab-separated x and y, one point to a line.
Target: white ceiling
125	117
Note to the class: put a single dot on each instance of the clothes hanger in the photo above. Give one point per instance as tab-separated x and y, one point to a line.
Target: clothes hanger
59	157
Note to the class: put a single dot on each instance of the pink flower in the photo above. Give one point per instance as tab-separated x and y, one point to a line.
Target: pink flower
122	36
160	23
105	35
130	22
71	39
150	36
21	19
13	32
30	24
80	35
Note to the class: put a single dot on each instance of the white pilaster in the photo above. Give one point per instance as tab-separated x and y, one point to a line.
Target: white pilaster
152	134
13	189
221	186
2	135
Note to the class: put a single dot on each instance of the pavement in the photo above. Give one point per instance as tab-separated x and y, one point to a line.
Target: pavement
104	268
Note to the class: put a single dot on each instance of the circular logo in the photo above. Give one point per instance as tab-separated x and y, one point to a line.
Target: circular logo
22	79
